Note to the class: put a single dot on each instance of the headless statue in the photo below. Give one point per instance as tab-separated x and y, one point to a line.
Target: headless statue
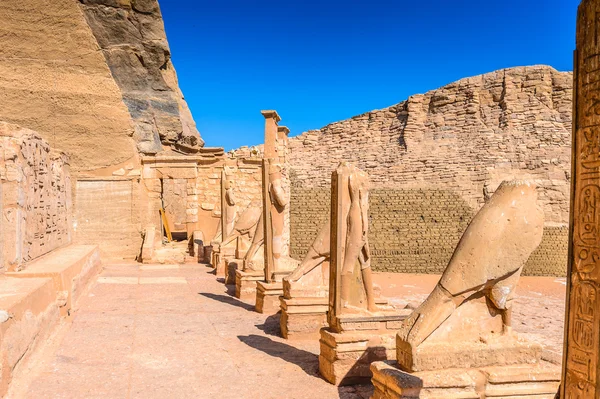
357	243
255	252
488	260
245	224
318	253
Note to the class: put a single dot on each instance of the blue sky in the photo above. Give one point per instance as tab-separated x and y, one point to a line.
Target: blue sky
318	62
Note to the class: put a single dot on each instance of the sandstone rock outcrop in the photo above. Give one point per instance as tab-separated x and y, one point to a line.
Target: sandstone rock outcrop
132	37
90	103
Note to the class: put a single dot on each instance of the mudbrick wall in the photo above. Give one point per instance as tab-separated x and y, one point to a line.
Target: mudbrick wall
435	158
35	204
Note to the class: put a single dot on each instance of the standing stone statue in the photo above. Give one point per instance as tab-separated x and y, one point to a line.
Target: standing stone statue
357	243
254	259
459	343
318	253
488	260
278	200
229	207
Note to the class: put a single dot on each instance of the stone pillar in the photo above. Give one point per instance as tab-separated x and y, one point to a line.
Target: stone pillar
223	206
271	120
581	378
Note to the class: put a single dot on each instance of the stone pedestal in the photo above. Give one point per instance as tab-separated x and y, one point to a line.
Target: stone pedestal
349	348
468	356
536	381
220	257
303	318
231	265
245	284
267	297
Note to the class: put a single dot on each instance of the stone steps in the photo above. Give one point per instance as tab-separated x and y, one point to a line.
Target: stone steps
69	268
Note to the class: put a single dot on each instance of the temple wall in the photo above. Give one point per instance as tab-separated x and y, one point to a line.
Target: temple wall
35	205
434	159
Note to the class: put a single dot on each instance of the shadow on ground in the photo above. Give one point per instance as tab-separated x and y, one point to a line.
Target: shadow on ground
307	361
228	300
271	325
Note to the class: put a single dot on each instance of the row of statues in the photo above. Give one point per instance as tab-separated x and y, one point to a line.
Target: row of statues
464	324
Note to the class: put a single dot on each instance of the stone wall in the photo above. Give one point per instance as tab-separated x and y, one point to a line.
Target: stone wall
108	214
190	187
435	158
414	231
35	205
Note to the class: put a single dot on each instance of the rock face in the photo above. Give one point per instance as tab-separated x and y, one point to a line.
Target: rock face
90	103
438	156
54	81
132	37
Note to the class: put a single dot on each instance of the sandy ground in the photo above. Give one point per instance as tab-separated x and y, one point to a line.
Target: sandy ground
156	331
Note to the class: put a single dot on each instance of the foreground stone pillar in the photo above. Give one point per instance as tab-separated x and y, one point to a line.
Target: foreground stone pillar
459	342
361	327
581	378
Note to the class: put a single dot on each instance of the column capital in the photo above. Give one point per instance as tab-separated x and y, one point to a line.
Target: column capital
271	114
283	129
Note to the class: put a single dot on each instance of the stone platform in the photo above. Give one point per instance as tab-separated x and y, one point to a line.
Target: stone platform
355	341
245	284
538	381
219	260
29	312
69	268
267	297
303	318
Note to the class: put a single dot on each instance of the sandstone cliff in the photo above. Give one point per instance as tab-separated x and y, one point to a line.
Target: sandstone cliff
94	78
132	37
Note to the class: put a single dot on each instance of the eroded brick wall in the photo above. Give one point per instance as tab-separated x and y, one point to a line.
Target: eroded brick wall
414	231
36	197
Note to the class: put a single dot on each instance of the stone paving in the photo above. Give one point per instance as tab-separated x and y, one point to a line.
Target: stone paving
167	331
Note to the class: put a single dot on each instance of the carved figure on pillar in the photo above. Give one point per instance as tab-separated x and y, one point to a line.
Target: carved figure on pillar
278	201
229	208
581	352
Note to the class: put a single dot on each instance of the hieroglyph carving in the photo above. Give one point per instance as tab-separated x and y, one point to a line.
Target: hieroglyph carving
582	344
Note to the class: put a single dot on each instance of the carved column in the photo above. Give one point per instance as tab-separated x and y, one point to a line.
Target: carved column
582	324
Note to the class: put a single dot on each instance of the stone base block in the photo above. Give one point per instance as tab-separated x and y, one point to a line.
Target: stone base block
345	358
498	350
221	258
303	318
33	309
267	297
232	266
245	284
70	269
386	320
531	381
